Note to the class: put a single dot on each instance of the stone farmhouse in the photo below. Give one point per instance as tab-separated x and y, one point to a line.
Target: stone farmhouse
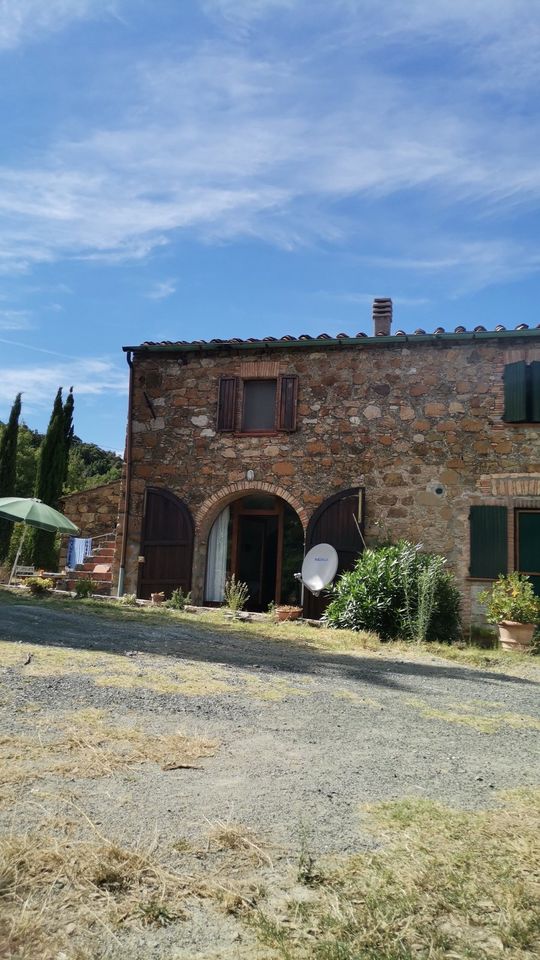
241	454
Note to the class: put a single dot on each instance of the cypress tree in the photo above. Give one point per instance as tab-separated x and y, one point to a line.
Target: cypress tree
68	429
51	472
8	468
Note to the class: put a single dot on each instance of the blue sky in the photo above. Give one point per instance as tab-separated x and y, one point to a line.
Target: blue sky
185	169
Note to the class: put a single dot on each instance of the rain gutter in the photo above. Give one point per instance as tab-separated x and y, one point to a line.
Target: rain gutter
408	338
123	552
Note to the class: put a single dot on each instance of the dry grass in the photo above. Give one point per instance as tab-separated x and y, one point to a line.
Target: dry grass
87	744
61	894
447	885
468	715
240	839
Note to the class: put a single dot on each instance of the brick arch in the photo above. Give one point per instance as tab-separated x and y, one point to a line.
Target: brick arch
209	510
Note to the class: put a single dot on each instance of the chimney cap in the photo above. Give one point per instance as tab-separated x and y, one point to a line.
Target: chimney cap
382	316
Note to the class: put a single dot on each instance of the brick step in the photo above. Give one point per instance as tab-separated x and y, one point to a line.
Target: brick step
92	574
89	565
102	587
101	554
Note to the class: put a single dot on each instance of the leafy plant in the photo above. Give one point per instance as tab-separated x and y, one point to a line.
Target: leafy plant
39	585
511	598
236	595
398	592
178	599
84	588
128	599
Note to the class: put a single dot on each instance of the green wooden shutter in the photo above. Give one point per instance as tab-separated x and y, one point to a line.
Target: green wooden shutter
515	392
534	369
488	530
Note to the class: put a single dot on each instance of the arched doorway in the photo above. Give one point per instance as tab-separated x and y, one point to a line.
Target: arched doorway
166	544
260	539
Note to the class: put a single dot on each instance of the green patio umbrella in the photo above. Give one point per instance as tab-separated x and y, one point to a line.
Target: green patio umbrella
33	513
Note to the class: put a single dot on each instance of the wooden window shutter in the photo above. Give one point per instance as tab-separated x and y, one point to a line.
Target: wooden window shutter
488	530
515	392
286	400
226	415
535	391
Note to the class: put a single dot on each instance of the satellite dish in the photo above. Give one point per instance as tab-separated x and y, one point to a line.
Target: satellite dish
319	568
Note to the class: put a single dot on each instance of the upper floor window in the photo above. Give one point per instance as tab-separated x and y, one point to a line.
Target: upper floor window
257	406
522	392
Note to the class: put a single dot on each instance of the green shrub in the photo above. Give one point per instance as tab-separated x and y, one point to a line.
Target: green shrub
235	595
511	598
400	593
39	585
178	599
128	599
84	588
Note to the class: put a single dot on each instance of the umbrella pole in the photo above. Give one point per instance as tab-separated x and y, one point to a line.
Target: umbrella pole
19	548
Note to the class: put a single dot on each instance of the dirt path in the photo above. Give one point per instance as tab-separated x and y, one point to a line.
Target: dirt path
305	737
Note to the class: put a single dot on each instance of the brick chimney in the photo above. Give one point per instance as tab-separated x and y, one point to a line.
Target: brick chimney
382	317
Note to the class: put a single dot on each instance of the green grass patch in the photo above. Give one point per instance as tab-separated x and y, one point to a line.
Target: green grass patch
445	884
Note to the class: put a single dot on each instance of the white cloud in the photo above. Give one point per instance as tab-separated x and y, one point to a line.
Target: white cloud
90	377
24	20
226	144
15	320
162	290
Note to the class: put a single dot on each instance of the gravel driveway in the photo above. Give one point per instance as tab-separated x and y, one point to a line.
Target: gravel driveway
305	737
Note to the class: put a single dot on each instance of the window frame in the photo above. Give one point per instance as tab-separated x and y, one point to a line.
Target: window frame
271	431
231	399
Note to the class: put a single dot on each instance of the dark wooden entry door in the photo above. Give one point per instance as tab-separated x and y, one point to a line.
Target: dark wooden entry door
337	522
256	562
528	545
167	544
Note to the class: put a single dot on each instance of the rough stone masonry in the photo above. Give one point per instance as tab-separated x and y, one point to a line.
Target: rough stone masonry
414	419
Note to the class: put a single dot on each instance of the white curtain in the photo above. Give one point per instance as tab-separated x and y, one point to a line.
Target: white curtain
216	561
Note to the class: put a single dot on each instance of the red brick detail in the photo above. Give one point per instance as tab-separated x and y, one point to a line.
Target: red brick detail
211	507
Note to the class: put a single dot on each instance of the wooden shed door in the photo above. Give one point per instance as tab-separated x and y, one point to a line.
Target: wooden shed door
167	544
336	522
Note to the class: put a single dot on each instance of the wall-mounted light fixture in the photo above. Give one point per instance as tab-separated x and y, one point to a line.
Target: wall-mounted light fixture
250	474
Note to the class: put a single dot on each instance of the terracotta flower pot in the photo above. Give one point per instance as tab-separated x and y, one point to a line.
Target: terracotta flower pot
288	613
157	597
516	636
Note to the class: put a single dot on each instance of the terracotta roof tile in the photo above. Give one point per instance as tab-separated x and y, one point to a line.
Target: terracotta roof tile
289	338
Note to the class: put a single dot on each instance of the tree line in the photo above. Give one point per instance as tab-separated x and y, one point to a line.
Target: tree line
47	466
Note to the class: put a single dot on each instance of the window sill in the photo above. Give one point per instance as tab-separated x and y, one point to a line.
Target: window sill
256	433
521	423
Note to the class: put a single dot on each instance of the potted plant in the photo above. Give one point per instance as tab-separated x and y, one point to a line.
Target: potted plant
286	612
513	606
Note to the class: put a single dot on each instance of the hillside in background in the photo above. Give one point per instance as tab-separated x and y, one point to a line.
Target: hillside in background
88	466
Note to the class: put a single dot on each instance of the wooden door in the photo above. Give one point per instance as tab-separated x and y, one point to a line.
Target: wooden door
337	522
166	544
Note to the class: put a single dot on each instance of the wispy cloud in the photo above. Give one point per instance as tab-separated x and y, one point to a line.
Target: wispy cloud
162	290
15	320
90	377
224	144
24	20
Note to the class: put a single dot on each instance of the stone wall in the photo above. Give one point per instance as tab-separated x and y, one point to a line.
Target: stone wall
418	424
94	511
